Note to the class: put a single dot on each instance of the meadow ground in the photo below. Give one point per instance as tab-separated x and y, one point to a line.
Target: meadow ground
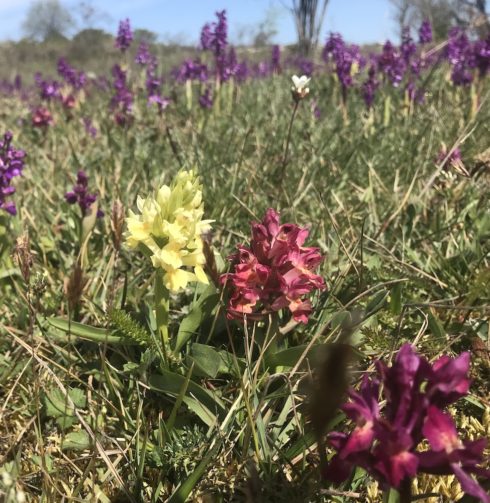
105	400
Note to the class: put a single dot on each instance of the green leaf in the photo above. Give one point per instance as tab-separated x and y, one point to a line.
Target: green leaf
289	357
338	319
204	403
435	326
396	299
207	360
86	332
57	405
76	440
183	491
48	462
376	303
200	310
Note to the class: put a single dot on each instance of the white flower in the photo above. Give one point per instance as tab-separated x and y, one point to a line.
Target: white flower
299	88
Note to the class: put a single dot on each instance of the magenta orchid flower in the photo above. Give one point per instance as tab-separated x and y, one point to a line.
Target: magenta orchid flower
275	272
385	440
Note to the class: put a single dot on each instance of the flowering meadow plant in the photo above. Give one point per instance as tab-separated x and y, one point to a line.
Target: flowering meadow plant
137	363
391	429
81	196
124	35
299	87
274	272
169	227
11	166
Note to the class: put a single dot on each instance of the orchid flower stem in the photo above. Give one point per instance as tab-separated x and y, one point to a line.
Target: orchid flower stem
288	140
188	94
402	495
405	491
162	298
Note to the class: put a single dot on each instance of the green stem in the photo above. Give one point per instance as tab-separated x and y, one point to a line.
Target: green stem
288	140
161	309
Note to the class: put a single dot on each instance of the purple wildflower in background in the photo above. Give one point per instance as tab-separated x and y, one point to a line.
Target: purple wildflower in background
77	79
481	56
369	86
153	83
391	64
385	438
143	56
415	94
11	165
81	196
425	32
452	160
408	47
460	56
89	127
191	70
124	35
122	100
48	89
344	56
305	66
214	38
276	59
220	40
242	71
315	109
206	37
160	101
206	99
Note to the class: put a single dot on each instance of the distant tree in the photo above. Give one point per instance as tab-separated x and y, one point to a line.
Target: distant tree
470	14
47	19
147	36
473	14
401	11
266	30
85	42
89	15
308	17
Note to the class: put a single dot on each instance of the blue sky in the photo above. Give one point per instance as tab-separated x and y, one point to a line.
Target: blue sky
359	21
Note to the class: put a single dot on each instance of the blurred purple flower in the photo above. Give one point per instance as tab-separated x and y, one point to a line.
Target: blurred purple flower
385	439
425	32
317	113
276	59
214	36
89	127
460	56
344	56
70	75
206	99
11	165
124	35
207	37
122	100
369	86
391	63
80	195
160	101
408	47
481	55
305	66
48	89
143	55
191	70
448	454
